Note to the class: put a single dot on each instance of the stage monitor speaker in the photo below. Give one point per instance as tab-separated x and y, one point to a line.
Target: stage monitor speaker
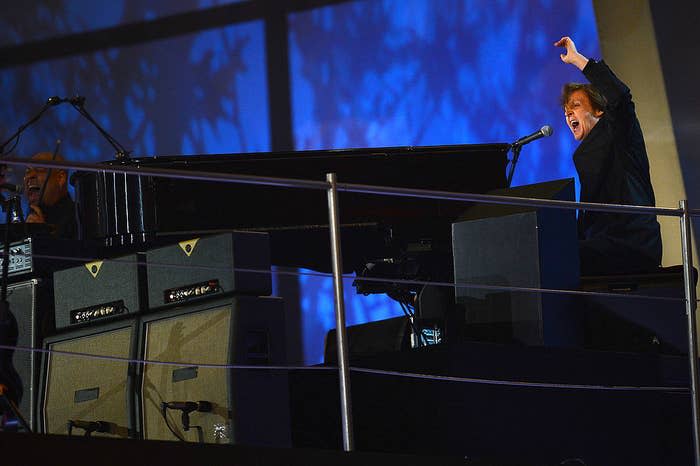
195	343
30	318
99	290
90	395
236	262
634	323
511	246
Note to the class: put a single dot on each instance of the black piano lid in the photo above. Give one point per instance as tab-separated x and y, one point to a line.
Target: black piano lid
425	167
176	205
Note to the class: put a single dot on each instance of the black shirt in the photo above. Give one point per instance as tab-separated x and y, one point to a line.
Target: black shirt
613	168
62	218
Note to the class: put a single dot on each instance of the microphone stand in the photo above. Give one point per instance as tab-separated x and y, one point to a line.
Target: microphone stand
49	103
7	321
516	153
78	103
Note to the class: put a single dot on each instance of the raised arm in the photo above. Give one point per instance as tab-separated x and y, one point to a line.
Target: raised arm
599	74
572	55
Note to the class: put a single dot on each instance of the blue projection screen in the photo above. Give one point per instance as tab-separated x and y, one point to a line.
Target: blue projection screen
422	72
363	74
193	94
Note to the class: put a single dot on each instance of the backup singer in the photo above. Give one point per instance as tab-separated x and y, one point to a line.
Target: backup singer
49	201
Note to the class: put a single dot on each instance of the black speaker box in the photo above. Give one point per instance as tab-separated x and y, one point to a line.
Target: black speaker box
189	349
647	315
371	338
99	290
207	266
507	246
79	389
28	321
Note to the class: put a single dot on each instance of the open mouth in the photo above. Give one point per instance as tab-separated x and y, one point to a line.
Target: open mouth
574	124
33	191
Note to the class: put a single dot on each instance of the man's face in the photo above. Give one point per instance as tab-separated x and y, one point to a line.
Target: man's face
34	178
580	116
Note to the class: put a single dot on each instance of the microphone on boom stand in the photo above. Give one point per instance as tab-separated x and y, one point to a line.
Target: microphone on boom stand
78	103
50	102
545	131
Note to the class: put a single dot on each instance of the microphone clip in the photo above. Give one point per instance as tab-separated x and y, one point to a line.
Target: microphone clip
187	407
77	100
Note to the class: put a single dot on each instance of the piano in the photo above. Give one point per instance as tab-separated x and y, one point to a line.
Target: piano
121	210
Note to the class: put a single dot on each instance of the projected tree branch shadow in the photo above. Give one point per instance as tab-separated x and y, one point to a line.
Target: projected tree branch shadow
363	73
199	93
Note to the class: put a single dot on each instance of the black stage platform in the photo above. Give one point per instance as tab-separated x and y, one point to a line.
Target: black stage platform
628	408
525	424
42	450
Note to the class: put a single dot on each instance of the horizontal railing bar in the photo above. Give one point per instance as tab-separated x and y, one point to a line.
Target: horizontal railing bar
506	200
316	368
402	281
346	187
172	173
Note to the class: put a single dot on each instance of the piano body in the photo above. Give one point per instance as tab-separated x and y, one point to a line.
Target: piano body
122	210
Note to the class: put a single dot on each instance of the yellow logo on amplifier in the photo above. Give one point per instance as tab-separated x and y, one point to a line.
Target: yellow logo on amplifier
188	246
94	268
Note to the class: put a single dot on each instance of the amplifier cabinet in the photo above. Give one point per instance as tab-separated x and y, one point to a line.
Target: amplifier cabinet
188	349
79	392
99	290
28	321
39	256
207	266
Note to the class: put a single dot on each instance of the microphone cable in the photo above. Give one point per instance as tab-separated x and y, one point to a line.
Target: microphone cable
164	413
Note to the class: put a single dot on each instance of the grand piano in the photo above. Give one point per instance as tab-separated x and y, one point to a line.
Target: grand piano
119	210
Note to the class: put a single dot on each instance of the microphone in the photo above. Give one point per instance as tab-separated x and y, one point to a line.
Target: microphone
89	426
546	130
189	406
13	188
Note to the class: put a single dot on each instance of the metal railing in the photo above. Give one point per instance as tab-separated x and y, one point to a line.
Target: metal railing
331	186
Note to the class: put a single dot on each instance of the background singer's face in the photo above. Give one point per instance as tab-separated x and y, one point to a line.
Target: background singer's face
579	114
34	178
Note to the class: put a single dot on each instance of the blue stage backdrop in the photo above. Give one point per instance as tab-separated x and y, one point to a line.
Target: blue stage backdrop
363	73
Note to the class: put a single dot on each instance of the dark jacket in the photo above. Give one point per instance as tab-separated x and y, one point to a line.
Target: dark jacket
613	168
61	217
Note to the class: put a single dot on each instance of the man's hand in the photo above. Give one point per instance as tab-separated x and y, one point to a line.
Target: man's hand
572	56
36	215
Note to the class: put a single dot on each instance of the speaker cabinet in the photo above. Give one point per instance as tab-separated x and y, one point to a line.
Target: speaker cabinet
189	350
207	266
635	323
100	290
90	392
29	319
504	246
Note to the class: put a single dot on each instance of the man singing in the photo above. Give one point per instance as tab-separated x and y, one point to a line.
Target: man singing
49	202
613	168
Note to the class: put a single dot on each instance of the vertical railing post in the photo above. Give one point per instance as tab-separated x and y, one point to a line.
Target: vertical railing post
690	308
341	334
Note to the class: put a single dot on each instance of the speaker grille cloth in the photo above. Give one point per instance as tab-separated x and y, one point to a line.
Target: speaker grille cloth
68	375
195	338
